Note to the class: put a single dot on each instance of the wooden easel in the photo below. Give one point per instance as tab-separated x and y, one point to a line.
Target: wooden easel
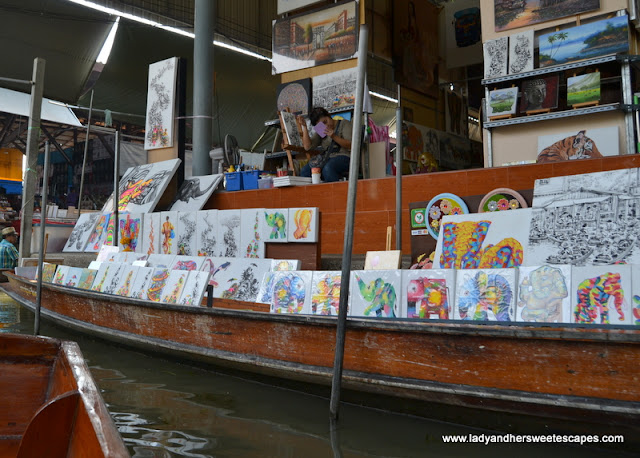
541	110
285	142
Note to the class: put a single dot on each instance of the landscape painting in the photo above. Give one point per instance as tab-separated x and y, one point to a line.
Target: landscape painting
318	37
161	95
502	102
583	88
600	38
511	14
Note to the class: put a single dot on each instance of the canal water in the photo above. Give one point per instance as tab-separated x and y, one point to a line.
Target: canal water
163	408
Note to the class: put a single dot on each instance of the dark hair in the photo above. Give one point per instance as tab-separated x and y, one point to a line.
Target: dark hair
316	114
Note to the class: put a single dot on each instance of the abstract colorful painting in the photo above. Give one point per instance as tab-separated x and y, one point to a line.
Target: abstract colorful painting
602	295
600	38
186	239
440	206
61	272
511	15
188	263
195	192
375	293
291	292
294	96
325	293
194	289
206	232
543	294
141	283
151	233
161	94
81	232
428	294
583	88
315	38
285	264
304	225
168	233
156	285
276	224
72	277
463	35
175	285
485	294
130	232
635	300
502	199
587	219
484	240
229	233
98	237
101	275
335	89
252	224
48	272
87	278
127	279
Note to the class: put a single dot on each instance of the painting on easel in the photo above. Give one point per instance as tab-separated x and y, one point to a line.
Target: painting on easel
539	94
583	90
502	102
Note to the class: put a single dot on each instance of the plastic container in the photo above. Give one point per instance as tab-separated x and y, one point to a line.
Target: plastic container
234	181
250	179
265	183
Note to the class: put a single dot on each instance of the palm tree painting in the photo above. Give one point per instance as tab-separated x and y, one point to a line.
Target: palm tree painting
600	38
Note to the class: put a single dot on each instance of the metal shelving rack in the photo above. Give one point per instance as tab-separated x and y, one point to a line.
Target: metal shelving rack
626	104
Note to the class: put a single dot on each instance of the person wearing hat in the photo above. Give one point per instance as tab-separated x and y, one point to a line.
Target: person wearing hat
8	252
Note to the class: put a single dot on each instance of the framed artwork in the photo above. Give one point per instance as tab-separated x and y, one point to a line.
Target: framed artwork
521	52
325	293
81	232
304	224
195	288
251	231
186	240
195	192
206	232
229	233
295	97
511	15
291	292
375	293
428	294
485	294
161	95
587	219
290	123
276	228
584	144
543	294
483	240
583	88
501	199
151	233
539	93
336	89
462	33
502	102
496	53
602	294
168	233
284	6
442	205
325	35
608	36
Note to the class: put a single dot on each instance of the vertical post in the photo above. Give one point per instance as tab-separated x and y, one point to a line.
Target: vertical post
203	71
399	159
116	186
33	140
86	151
43	226
356	143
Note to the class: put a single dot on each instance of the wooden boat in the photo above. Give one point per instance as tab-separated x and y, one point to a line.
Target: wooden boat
559	371
49	404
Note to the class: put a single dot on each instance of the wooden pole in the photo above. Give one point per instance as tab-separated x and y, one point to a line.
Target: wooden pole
43	227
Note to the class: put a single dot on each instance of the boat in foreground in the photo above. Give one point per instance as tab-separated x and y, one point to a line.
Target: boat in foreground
557	371
49	403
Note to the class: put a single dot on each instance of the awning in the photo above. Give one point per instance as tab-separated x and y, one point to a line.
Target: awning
18	103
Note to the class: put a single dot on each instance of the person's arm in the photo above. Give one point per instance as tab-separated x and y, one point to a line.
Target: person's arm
307	141
345	130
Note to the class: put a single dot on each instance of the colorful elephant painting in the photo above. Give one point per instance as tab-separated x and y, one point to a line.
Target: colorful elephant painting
541	295
380	297
593	298
427	298
485	296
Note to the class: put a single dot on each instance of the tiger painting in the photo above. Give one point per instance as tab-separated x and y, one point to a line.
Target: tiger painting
575	147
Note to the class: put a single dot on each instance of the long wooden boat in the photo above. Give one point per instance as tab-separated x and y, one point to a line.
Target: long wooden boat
557	371
49	404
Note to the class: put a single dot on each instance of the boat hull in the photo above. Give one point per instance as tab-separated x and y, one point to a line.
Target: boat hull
558	371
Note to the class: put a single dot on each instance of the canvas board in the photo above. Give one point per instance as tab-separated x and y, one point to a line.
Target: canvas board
151	233
169	233
113	277
304	224
87	278
428	294
335	38
81	232
241	281
101	276
61	272
484	240
141	283
127	279
285	264
291	292
161	260
294	137
531	12
216	267
266	288
521	52
229	233
48	272
98	237
72	277
186	237
175	285
195	192
462	29
502	102
130	232
276	220
583	144
207	232
583	88
587	219
382	260
544	294
602	295
496	53
161	104
106	252
420	139
195	288
375	293
335	89
325	292
485	294
188	263
252	224
156	285
294	96
539	93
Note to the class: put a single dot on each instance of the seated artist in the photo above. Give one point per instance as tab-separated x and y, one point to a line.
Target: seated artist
335	145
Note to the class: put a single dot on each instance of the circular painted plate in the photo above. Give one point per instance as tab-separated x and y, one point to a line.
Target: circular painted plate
501	199
443	205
